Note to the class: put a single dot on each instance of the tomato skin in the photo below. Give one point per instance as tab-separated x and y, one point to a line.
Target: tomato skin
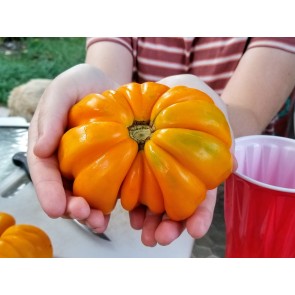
148	145
6	220
99	183
87	146
141	187
198	152
8	251
98	107
23	240
182	190
142	98
132	184
195	115
175	95
35	236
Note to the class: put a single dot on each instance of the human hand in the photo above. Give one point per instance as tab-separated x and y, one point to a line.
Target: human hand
47	126
158	228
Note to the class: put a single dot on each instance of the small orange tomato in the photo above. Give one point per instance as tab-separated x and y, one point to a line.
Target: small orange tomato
29	241
22	240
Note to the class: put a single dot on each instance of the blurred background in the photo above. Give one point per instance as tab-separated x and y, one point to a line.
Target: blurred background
23	59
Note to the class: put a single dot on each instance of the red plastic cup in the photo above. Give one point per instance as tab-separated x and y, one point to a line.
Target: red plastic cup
259	200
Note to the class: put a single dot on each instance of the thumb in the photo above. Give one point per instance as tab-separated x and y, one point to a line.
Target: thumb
46	129
48	138
62	93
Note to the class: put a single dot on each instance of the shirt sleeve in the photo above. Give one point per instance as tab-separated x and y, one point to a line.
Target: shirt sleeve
124	41
286	44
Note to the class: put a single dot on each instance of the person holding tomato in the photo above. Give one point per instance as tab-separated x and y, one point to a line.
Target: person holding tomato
253	83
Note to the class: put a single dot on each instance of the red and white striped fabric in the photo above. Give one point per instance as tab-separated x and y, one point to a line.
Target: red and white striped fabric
212	59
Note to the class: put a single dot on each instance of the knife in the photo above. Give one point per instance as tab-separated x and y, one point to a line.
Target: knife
20	159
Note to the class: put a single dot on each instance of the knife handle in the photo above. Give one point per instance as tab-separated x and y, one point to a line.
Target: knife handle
20	159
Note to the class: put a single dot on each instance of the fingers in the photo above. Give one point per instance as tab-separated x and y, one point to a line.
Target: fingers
159	229
168	231
150	226
77	208
48	186
46	177
156	228
97	221
199	223
51	126
137	217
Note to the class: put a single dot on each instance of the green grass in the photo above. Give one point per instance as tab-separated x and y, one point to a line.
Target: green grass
41	58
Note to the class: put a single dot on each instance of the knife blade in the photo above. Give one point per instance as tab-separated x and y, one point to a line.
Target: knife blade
89	230
13	182
20	159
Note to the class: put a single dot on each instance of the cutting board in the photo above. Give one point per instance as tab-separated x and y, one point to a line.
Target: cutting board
69	240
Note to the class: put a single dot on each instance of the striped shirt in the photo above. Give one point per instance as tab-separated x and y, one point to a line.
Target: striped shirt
213	60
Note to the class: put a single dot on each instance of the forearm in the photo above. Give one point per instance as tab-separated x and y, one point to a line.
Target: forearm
258	89
113	59
243	121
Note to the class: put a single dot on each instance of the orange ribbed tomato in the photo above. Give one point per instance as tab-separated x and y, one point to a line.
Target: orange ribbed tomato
6	220
23	240
146	144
